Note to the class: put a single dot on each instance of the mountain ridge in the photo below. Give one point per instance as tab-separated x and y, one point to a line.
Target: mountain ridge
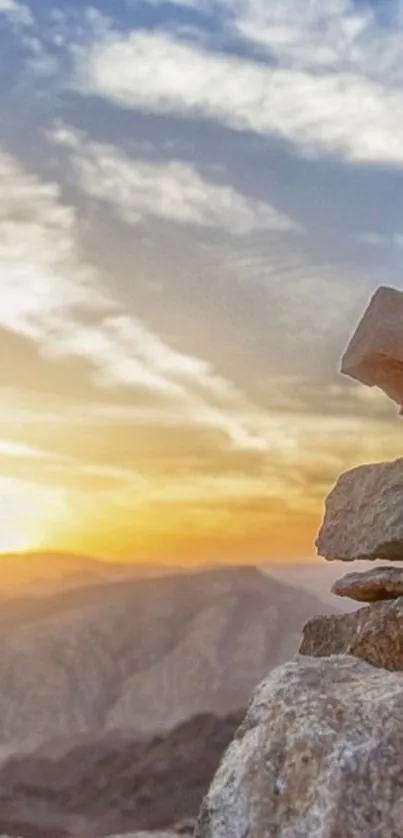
141	654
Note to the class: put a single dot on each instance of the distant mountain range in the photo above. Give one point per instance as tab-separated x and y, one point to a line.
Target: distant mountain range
116	785
140	654
46	573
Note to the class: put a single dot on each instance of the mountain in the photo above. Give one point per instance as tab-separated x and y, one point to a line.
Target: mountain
141	655
37	574
119	785
41	573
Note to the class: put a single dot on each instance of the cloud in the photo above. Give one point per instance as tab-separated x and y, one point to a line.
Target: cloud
51	295
18	450
173	191
306	35
17	13
42	275
374	239
347	113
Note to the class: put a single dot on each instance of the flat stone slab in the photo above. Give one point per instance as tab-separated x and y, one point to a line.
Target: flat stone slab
364	515
375	585
374	355
373	633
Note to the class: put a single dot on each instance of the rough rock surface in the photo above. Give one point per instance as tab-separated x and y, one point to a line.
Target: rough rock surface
319	735
363	515
374	634
375	585
374	355
147	835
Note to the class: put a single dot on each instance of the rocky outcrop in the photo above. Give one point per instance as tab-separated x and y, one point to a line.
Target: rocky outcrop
380	583
363	517
318	755
374	634
374	355
319	752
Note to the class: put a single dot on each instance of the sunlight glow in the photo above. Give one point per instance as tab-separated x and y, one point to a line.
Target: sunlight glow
28	514
17	523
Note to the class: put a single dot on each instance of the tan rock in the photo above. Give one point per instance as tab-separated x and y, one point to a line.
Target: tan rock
364	515
374	355
373	633
319	754
375	585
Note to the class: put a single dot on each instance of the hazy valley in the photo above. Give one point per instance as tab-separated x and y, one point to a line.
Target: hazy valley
90	675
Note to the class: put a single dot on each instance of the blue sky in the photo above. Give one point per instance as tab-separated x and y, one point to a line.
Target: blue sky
198	199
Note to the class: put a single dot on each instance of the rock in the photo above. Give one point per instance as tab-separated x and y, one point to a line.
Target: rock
364	515
319	754
374	355
378	584
147	835
374	634
185	826
330	635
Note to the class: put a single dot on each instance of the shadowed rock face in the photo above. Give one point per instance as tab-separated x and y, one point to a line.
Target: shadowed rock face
374	355
376	585
319	754
363	518
374	634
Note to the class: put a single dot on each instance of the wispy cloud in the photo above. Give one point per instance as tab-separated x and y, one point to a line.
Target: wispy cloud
173	191
348	113
18	13
52	296
18	450
379	240
42	274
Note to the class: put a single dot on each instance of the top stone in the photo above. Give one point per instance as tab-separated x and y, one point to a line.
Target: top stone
374	355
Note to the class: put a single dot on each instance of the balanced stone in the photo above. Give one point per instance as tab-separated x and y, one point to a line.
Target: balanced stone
374	355
364	515
375	585
373	634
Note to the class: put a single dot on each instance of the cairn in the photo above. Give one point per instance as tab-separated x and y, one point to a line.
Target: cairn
320	750
363	517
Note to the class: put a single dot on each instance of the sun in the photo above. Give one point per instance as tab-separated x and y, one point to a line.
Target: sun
18	522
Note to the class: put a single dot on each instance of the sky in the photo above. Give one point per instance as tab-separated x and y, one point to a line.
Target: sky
198	198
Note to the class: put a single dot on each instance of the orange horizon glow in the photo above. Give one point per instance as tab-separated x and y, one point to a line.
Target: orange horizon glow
268	509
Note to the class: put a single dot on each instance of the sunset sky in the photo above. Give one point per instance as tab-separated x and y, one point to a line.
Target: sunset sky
197	200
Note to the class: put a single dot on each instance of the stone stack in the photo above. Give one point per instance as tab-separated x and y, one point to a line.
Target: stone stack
319	753
364	511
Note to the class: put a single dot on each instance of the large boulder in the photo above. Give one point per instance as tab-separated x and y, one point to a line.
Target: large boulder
373	633
374	355
319	754
364	515
375	585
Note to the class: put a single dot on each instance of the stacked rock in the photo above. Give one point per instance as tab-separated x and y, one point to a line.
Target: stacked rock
364	511
319	753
